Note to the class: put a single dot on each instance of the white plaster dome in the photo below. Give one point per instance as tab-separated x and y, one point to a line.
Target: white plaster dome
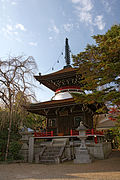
65	93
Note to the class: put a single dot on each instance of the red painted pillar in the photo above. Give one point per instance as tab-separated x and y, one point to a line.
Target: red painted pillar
95	139
71	132
92	131
51	133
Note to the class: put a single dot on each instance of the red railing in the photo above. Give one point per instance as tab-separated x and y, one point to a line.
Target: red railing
93	132
72	133
43	134
88	132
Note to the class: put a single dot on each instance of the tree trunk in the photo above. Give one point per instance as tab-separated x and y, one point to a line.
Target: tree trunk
9	131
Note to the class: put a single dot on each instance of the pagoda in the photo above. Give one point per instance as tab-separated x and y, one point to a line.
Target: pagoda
62	112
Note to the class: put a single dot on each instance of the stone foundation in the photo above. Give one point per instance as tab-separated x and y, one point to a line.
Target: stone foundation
32	146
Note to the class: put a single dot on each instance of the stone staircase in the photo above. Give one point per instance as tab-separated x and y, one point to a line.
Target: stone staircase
53	153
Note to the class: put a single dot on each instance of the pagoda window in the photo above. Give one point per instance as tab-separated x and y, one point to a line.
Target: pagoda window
77	120
52	122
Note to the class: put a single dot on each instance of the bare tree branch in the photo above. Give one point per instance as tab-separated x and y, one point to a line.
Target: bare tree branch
15	76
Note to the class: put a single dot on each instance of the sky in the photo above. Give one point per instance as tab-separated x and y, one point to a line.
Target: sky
38	28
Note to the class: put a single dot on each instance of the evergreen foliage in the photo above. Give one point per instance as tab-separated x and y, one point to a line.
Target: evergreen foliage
99	66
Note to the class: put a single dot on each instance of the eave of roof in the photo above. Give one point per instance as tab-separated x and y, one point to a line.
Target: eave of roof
39	108
60	72
52	104
59	75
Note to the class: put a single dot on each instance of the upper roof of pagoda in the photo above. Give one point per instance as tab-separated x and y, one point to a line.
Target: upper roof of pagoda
61	78
66	77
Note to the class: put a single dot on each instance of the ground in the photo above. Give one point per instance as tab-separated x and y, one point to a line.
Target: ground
108	169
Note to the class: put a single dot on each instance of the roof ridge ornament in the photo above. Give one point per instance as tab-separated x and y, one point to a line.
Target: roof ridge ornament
67	54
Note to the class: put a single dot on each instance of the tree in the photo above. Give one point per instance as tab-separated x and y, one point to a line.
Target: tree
35	121
15	143
20	119
114	115
99	66
16	75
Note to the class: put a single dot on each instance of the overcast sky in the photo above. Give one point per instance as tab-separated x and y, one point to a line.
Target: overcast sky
38	28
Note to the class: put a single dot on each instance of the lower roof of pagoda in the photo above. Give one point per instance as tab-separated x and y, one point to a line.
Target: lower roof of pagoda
35	108
41	108
62	78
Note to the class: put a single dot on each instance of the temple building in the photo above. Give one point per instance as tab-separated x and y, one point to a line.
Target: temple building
63	113
61	140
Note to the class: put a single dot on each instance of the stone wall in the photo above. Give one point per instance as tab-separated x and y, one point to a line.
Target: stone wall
32	146
100	150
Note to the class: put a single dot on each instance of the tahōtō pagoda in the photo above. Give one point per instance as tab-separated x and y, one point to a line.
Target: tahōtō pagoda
62	112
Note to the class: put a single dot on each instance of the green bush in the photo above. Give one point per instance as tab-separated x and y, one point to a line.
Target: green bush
14	149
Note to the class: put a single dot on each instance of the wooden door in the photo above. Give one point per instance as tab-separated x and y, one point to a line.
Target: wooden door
64	125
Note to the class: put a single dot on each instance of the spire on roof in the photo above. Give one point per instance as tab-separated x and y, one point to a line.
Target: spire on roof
67	54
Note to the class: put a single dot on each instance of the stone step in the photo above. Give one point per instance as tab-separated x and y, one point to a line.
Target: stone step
53	151
47	157
50	153
54	148
47	161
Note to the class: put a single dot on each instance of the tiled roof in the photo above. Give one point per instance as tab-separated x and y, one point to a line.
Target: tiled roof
40	107
64	73
58	74
53	103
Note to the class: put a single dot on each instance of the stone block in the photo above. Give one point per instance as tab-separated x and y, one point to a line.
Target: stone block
82	156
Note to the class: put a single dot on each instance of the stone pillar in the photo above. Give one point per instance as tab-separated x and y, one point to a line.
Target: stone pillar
31	149
82	155
24	148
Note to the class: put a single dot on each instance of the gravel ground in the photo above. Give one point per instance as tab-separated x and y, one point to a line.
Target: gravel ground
108	169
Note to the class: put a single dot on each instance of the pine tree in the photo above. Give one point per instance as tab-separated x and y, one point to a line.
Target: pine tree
99	66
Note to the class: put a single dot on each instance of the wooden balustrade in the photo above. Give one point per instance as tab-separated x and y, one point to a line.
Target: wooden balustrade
88	132
72	133
43	134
